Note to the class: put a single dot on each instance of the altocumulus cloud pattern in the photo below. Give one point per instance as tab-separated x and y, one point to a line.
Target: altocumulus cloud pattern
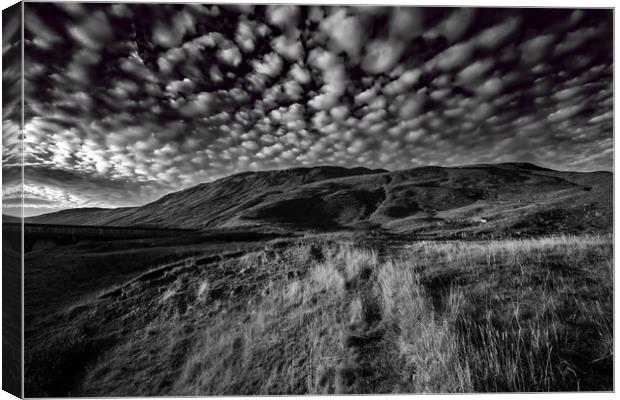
127	102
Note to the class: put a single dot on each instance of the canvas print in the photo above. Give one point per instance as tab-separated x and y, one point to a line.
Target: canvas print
230	199
12	344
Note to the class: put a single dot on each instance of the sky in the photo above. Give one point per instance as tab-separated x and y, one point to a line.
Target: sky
127	102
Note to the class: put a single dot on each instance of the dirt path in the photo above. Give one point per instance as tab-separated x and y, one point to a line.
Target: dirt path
367	367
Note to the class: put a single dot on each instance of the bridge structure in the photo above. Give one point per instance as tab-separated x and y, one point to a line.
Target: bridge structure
67	234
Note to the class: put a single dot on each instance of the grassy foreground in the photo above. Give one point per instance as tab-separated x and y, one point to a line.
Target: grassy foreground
328	317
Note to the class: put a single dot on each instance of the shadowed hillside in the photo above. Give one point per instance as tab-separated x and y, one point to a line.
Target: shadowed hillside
497	200
10	219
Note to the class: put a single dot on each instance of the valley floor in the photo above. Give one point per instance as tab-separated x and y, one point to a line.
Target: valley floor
324	315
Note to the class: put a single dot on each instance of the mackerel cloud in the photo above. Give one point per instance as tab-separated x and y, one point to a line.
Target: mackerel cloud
127	102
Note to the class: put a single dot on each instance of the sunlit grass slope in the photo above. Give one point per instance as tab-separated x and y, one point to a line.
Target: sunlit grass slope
325	316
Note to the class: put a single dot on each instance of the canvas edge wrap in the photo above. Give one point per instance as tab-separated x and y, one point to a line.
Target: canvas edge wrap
12	193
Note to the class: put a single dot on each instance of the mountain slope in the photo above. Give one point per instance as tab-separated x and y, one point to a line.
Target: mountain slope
10	219
500	198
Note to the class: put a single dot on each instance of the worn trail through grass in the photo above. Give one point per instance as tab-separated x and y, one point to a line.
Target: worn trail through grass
328	316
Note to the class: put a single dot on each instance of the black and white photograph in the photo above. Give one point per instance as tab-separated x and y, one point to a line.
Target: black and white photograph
289	199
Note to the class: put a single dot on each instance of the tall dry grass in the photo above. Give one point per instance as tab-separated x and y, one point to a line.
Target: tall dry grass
510	315
519	315
329	317
430	359
286	341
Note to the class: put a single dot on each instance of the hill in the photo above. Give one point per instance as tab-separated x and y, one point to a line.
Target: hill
10	218
497	200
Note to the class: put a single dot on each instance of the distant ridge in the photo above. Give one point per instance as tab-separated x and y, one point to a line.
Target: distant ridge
10	218
507	198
